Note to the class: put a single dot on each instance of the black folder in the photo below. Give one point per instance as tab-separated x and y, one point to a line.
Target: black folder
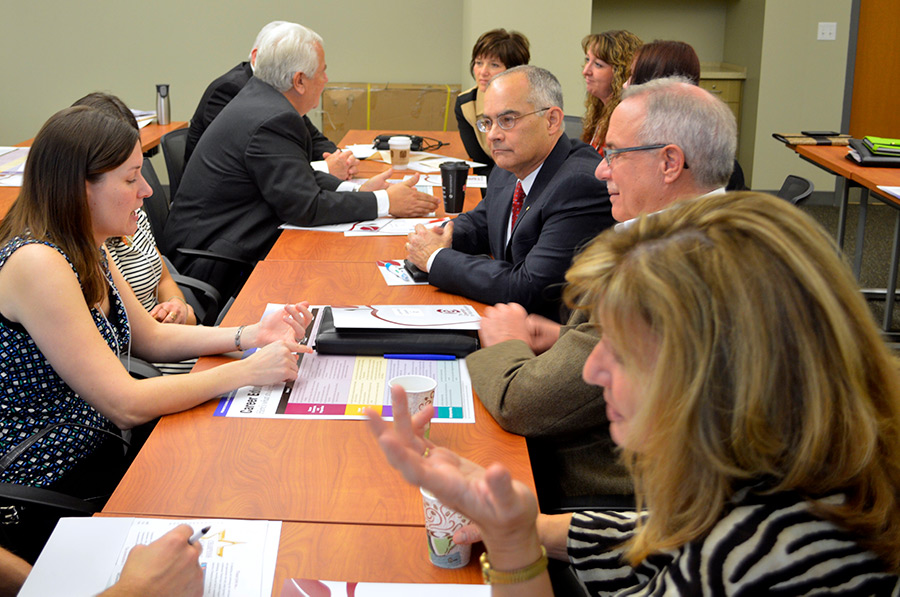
378	342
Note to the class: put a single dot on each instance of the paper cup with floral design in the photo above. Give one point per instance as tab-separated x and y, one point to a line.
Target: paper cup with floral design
440	524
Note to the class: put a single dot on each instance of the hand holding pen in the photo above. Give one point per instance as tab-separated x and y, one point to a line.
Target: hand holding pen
168	566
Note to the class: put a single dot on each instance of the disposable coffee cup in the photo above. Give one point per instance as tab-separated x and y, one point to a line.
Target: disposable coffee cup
419	393
453	183
440	524
400	148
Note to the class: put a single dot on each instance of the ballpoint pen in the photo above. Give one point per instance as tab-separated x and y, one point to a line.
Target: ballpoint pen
398	270
196	536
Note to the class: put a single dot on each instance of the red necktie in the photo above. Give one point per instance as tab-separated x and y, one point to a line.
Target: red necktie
518	199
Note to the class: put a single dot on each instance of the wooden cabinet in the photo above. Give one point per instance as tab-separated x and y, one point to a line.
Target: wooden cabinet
725	81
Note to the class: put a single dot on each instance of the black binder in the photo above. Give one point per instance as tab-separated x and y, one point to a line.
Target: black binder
378	342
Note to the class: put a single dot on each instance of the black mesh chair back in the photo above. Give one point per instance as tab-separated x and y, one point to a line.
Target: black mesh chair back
796	189
157	205
173	151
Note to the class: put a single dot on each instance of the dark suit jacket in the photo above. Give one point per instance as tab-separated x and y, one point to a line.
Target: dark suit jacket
223	90
249	174
566	207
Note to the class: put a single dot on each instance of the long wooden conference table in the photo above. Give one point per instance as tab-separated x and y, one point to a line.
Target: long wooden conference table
348	515
151	135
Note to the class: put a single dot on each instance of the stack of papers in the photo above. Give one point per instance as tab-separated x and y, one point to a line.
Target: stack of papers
12	165
144	117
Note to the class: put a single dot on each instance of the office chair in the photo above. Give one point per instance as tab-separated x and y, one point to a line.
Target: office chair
156	205
173	151
795	189
204	298
29	514
229	278
574	126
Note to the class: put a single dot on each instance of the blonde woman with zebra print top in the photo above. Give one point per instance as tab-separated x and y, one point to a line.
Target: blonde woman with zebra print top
755	403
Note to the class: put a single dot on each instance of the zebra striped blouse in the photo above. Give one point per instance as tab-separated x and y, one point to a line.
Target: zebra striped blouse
137	259
141	266
764	545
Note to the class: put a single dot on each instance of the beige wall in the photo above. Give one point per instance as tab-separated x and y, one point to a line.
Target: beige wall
126	47
700	23
58	51
801	85
555	38
743	45
794	82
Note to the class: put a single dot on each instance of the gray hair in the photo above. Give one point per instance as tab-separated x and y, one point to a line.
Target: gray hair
544	88
682	114
262	32
286	49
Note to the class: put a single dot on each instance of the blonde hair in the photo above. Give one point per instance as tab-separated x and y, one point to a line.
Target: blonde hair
617	49
769	368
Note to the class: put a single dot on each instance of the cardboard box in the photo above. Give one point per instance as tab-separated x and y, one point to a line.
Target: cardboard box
391	106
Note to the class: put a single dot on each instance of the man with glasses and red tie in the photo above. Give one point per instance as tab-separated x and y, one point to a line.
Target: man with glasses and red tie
542	203
667	140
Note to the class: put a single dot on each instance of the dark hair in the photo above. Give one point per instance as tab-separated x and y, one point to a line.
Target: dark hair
509	47
665	59
75	146
109	105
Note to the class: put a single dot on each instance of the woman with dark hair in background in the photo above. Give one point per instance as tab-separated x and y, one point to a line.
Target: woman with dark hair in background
607	64
660	59
494	52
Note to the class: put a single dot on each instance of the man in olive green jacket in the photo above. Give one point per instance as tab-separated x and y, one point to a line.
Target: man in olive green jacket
529	374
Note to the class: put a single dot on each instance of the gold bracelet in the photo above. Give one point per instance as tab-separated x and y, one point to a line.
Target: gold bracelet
237	338
499	577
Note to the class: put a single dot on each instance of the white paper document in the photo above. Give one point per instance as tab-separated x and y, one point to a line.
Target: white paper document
476	181
342	387
387	226
84	556
893	191
395	274
304	587
434	164
361	151
397	317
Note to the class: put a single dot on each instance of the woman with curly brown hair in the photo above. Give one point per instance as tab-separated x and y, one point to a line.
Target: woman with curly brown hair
607	65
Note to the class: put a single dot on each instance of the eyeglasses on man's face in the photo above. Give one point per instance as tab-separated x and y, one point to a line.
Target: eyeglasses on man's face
505	122
610	154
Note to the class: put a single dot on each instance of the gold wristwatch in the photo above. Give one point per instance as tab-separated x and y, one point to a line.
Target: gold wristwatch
498	577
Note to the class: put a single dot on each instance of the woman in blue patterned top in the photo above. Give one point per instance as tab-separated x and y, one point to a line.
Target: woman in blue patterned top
66	314
756	405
